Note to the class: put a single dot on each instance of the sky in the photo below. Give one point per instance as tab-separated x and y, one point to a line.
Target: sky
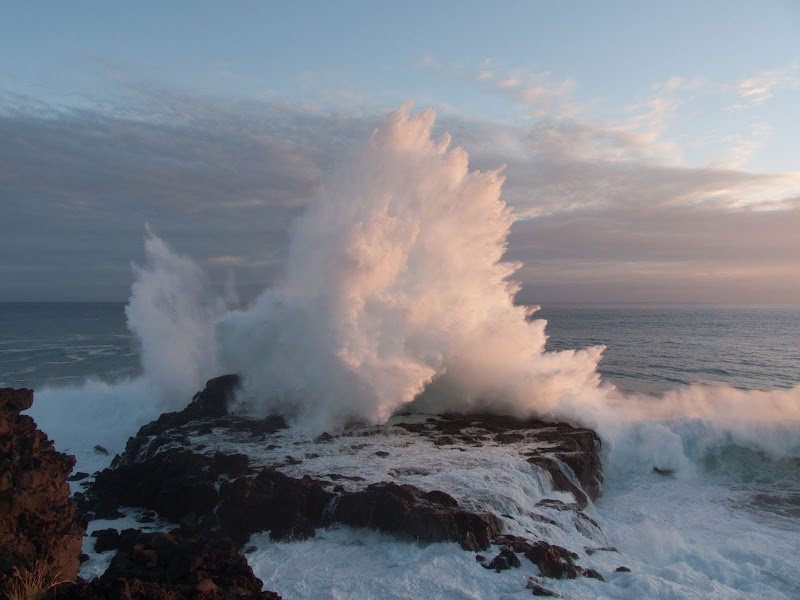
651	149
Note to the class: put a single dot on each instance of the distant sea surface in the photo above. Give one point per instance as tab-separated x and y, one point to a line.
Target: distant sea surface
649	348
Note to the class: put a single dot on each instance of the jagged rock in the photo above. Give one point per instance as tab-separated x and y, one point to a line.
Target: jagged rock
591	551
507	559
289	508
166	468
538	590
592	574
573	448
553	561
171	566
107	539
39	528
173	483
405	509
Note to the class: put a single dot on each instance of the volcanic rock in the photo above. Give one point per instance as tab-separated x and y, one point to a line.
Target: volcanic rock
431	517
39	529
171	566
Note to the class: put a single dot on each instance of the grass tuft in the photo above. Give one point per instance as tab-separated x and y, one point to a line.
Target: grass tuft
31	584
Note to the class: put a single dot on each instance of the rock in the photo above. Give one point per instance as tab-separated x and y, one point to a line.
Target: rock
287	507
592	574
107	539
173	483
403	509
622	570
39	528
538	590
570	454
171	566
591	551
553	561
100	450
503	561
79	476
382	453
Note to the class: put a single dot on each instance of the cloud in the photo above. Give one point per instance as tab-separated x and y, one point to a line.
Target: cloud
605	212
760	88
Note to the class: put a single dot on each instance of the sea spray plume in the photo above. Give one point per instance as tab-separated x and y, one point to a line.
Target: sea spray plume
172	314
395	279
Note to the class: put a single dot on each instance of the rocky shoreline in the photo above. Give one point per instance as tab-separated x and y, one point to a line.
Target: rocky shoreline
222	478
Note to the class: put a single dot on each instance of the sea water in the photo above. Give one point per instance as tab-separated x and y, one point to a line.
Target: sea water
724	524
649	347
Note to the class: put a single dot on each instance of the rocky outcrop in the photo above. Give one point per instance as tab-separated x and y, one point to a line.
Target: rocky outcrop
282	483
171	566
429	517
571	455
39	529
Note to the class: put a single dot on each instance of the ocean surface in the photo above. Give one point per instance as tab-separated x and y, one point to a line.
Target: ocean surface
649	347
724	524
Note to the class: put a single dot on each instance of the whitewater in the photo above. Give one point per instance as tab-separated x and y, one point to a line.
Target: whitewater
396	298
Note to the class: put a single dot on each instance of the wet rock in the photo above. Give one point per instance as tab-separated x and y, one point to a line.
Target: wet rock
288	507
553	561
100	450
509	437
507	559
172	566
39	526
382	453
592	574
107	539
78	476
403	509
536	587
622	570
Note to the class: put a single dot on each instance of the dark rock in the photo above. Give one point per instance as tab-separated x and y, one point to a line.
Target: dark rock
503	561
78	476
480	558
233	465
565	447
664	472
413	427
171	567
323	437
403	509
100	450
591	573
382	453
107	539
39	526
509	437
439	497
561	481
287	507
553	561
591	551
338	477
622	570
538	590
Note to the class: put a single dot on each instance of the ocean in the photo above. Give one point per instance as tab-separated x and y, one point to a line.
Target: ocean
649	347
724	524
